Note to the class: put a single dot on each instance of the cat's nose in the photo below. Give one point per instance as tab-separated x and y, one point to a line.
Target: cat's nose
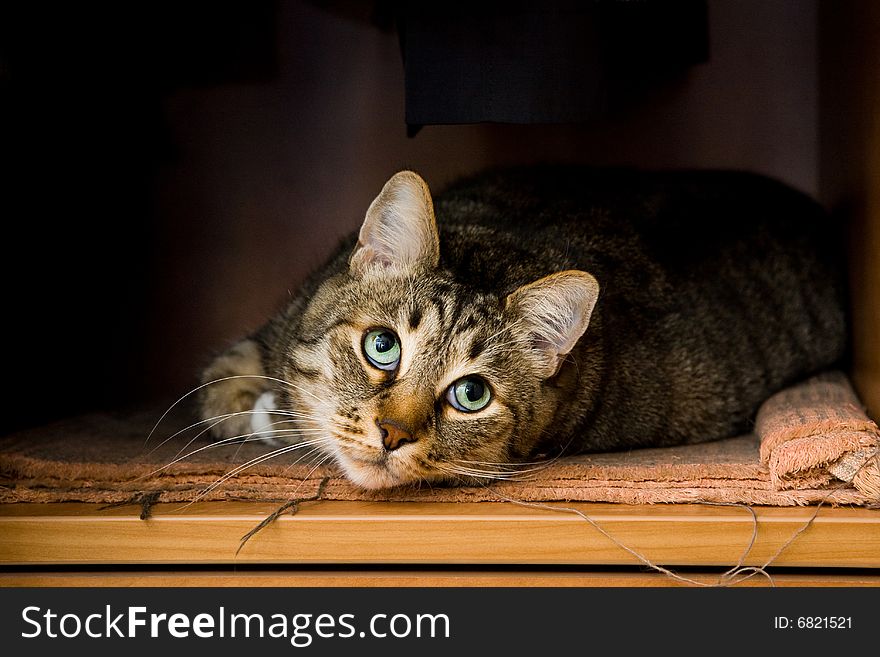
393	435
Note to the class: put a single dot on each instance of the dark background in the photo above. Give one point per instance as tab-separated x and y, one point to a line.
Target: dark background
171	170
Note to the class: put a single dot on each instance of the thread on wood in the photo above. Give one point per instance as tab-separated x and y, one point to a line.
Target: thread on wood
735	575
291	505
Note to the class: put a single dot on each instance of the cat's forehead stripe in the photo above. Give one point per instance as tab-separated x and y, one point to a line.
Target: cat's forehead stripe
469	322
415	318
477	347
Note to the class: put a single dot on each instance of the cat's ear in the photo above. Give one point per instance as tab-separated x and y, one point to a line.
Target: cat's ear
555	310
399	230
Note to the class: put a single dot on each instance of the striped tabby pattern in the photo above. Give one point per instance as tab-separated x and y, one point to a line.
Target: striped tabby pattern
541	311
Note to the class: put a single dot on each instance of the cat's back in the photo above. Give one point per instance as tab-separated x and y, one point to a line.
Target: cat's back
662	208
649	229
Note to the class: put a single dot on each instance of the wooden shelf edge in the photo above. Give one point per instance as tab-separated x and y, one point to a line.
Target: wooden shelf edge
421	534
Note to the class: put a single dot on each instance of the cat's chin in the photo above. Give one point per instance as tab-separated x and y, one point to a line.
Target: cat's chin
373	476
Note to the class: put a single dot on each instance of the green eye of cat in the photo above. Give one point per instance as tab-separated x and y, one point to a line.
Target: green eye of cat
382	349
469	394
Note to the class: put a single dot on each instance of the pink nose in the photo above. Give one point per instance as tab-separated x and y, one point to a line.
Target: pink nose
393	435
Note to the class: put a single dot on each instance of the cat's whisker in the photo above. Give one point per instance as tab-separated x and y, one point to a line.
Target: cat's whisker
308	474
505	475
462	473
519	475
220	380
220	421
266	432
445	471
252	436
501	463
234	440
307	454
257	461
312	471
478	474
491	467
293	496
514	468
217	419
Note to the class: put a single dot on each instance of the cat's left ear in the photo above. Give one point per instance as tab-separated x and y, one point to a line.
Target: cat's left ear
555	310
399	230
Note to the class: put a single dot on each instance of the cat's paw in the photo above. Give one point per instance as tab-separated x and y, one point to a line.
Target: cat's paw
264	421
233	384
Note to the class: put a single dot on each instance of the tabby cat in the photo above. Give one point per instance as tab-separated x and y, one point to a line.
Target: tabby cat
538	311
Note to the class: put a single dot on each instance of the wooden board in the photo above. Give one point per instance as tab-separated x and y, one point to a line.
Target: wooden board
411	578
423	534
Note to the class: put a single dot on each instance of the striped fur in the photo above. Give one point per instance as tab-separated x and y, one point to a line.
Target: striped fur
604	310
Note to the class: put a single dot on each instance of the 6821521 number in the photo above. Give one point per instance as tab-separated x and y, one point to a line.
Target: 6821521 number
813	622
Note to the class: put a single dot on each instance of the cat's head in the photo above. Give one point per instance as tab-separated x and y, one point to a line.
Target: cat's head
417	376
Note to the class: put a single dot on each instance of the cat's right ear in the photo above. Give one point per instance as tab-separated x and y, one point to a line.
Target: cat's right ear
555	311
399	231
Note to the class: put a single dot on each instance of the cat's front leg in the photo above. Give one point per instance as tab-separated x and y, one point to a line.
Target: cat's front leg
236	397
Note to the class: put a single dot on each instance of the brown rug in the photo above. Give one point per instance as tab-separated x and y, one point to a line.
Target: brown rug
812	442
